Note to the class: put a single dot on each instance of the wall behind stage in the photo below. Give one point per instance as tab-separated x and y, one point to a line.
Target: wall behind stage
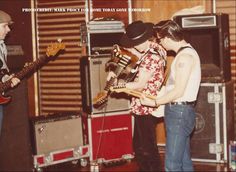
105	9
157	10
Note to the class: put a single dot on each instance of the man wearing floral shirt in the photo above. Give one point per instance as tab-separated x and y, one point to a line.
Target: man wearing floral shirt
148	80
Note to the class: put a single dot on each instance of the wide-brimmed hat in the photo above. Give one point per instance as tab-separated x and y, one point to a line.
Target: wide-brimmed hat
136	33
5	18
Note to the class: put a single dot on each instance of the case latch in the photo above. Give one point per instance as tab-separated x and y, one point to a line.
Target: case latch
215	148
213	97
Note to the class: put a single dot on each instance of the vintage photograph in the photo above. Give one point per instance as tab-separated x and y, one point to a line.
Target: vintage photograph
117	85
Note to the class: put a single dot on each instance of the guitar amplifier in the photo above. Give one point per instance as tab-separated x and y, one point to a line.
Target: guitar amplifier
56	132
100	36
209	32
58	138
93	81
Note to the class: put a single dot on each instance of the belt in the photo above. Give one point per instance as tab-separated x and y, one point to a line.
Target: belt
182	103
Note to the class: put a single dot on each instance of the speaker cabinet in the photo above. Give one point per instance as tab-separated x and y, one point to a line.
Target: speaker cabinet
93	81
214	122
56	132
209	35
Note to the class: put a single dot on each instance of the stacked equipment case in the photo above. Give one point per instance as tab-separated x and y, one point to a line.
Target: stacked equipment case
58	138
108	129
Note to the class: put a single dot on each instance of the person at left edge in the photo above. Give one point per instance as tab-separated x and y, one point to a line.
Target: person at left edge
5	21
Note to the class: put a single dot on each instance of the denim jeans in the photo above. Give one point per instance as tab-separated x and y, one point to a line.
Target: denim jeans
179	122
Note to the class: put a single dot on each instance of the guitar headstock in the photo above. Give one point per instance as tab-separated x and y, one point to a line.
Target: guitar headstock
54	48
122	53
100	99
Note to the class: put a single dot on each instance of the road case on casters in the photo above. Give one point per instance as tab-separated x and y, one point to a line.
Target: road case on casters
214	122
109	136
58	138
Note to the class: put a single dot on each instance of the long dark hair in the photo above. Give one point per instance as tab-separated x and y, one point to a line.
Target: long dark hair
170	29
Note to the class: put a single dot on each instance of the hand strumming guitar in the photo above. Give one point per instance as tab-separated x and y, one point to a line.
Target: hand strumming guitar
147	101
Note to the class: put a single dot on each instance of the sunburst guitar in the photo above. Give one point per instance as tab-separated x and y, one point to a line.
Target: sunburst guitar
51	51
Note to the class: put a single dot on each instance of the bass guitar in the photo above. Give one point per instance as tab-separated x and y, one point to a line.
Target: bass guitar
32	67
158	112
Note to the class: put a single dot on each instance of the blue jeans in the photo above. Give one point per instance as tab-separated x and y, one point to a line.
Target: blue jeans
179	122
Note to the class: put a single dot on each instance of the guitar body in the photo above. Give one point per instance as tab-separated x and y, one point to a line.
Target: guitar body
4	100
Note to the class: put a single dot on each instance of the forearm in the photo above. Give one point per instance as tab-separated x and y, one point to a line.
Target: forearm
135	85
169	97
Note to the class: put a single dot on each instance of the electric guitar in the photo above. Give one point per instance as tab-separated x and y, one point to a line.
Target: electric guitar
124	63
159	112
51	51
131	92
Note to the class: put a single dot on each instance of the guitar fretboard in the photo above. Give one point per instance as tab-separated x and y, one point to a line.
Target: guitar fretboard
33	66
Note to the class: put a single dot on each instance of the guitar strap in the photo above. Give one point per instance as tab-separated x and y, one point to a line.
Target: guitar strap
182	48
134	71
3	56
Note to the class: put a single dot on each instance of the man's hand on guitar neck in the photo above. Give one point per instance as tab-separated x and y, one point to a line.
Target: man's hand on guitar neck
153	102
112	75
14	81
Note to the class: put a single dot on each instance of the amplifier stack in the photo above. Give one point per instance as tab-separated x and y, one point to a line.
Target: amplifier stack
106	124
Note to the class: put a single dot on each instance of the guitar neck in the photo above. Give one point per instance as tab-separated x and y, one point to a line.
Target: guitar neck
32	67
140	94
134	93
109	84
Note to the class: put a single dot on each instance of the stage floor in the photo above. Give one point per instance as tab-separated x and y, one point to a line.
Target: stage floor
132	167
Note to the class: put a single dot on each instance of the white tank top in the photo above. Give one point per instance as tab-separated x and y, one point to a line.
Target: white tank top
191	91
